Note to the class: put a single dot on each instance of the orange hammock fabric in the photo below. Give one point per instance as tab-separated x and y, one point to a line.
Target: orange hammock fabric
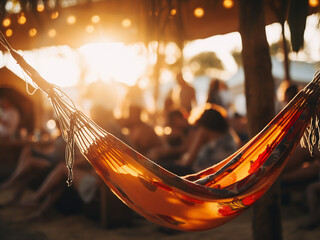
195	202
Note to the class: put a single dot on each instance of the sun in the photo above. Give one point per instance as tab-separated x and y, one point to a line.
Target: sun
114	61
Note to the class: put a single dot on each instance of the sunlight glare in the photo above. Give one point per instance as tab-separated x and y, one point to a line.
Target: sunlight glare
114	61
273	32
57	65
222	45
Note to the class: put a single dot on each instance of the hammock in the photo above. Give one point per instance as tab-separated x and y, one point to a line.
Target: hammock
195	202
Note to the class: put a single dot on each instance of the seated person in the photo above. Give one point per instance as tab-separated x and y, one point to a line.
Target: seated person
31	164
213	141
301	168
239	124
85	180
142	136
175	143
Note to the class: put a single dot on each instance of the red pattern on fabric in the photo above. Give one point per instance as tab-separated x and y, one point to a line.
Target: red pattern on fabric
247	201
261	159
226	211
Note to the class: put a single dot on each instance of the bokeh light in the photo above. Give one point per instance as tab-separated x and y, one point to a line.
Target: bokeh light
126	22
95	19
313	3
90	29
198	12
32	32
40	7
9	32
167	130
22	19
228	3
173	11
51	124
54	15
158	130
6	22
71	19
52	33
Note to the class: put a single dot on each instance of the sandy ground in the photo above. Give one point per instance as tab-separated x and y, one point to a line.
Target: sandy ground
78	227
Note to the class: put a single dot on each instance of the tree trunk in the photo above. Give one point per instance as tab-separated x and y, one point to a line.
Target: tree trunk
260	95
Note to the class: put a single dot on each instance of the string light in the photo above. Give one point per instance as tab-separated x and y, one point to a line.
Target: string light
228	3
40	7
9	32
32	32
313	3
22	19
71	19
198	12
6	22
54	15
126	22
95	19
173	11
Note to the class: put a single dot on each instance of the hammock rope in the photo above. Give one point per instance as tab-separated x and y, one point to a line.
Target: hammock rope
195	202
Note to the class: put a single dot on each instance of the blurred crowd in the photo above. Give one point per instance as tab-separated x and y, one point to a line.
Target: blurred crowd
192	138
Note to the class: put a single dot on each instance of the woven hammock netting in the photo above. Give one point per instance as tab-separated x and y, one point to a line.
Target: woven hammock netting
195	202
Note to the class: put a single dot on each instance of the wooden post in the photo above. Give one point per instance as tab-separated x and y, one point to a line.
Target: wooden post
260	94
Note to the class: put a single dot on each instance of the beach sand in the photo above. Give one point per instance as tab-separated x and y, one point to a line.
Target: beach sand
57	225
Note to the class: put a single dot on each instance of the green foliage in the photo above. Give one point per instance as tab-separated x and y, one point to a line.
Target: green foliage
206	61
237	57
278	47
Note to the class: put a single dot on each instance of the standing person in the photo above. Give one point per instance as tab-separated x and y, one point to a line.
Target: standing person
219	94
184	95
9	118
214	92
176	142
135	96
